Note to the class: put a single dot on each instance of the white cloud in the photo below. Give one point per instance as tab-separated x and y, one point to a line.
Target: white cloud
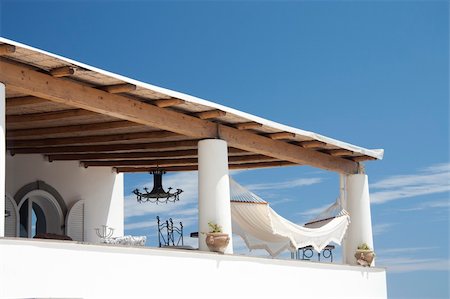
284	185
378	229
398	260
405	264
280	201
431	180
314	211
388	251
140	224
429	205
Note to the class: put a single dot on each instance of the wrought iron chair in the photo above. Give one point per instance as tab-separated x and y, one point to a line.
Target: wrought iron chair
168	234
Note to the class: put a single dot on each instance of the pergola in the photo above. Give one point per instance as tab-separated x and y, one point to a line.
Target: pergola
69	111
66	110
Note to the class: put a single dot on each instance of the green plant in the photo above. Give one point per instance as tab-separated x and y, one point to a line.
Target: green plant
214	227
364	246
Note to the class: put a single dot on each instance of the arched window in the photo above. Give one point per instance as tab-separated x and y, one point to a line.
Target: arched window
41	210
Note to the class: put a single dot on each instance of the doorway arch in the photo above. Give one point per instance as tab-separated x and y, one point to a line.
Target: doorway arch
41	210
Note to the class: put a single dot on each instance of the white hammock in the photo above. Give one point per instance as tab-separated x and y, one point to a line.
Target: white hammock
262	228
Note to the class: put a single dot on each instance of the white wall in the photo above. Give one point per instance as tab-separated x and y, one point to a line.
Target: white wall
2	158
51	269
99	187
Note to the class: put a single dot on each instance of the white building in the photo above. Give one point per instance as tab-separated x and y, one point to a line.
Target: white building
69	134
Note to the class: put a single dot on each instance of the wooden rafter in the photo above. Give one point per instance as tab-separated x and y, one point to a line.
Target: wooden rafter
71	93
312	144
153	146
90	139
192	153
281	135
7	49
167	103
124	156
74	94
27	101
340	152
48	116
284	151
247	125
147	163
210	114
195	167
119	88
83	128
150	169
63	71
176	162
362	158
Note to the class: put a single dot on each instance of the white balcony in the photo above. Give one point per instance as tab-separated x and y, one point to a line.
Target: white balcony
55	269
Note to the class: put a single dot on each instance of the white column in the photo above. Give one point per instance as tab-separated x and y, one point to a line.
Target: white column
2	159
358	206
213	189
343	202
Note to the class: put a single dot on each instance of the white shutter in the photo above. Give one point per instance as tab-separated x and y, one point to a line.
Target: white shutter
75	221
12	221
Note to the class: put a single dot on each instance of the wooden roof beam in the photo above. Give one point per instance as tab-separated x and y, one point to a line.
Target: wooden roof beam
339	152
190	153
150	169
284	151
312	144
281	135
63	71
48	116
247	125
362	158
148	163
175	162
105	148
195	167
261	165
167	102
124	156
96	127
25	80
90	139
71	93
210	114
7	49
24	102
119	88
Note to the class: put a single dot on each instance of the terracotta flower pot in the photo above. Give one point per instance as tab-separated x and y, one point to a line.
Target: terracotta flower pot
217	242
364	257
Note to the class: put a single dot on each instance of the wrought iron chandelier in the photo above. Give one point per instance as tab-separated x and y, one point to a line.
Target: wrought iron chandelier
157	195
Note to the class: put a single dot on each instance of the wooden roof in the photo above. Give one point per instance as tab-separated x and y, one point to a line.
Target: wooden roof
66	110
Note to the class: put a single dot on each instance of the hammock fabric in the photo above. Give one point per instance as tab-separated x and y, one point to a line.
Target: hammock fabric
262	228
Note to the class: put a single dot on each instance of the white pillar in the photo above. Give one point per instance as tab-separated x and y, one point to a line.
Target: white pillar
213	189
2	159
343	202
358	206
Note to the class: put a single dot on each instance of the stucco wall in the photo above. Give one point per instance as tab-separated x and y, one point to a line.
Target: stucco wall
53	269
99	187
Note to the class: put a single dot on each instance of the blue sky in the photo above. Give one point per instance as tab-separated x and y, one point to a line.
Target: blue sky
372	73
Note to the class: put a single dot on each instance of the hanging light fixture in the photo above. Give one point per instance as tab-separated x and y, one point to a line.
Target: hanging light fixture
157	195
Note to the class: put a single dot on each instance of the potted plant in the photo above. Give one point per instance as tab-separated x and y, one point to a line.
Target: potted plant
364	255
216	240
